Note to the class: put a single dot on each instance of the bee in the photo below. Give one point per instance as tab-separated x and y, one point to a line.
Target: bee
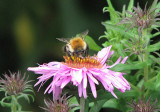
76	46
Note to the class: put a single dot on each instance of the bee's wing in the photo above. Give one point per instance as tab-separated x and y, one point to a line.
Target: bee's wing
66	40
84	34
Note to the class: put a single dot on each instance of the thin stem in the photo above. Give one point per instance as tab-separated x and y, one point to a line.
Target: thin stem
145	68
96	106
144	58
145	55
82	104
14	104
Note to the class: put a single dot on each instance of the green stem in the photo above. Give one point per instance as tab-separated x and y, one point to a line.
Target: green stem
96	106
145	55
14	104
82	104
144	58
145	68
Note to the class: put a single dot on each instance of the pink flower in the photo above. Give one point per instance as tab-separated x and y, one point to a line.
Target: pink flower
79	71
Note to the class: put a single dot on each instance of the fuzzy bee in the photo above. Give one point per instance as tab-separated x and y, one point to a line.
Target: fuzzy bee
76	46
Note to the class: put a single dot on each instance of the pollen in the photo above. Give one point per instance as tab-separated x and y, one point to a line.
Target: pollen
78	62
77	43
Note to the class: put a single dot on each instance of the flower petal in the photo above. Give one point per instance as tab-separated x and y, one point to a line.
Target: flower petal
77	76
124	60
117	62
92	78
65	82
85	81
80	90
103	54
93	88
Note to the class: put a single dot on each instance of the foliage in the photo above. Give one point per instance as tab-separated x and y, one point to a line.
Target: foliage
143	70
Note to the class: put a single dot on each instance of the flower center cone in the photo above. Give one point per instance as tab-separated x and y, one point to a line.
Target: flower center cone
79	62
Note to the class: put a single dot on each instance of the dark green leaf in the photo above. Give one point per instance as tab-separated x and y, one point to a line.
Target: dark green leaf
154	35
91	43
105	95
121	67
97	106
118	29
154	47
130	6
113	15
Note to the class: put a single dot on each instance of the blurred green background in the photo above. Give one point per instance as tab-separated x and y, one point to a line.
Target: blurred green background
29	28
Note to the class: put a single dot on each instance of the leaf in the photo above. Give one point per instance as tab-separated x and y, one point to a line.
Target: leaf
153	47
105	95
122	67
154	35
113	15
3	103
110	104
154	4
97	106
118	29
130	6
92	44
157	83
124	11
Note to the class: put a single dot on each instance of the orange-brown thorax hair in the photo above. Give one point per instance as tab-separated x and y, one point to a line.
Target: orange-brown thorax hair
77	43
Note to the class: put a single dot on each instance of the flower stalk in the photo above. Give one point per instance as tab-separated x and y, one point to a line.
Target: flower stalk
14	102
82	104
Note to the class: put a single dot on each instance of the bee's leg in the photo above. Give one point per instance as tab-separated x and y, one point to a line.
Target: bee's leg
69	54
64	49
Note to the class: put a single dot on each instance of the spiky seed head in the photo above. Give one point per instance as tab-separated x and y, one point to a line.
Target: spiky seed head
141	18
144	106
135	46
14	84
60	105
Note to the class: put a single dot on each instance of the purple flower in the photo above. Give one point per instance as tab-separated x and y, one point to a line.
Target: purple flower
79	71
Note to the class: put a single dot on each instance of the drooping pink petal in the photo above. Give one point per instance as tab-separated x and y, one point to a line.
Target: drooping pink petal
117	62
103	54
58	92
80	90
84	80
114	94
92	78
124	60
65	82
93	88
84	93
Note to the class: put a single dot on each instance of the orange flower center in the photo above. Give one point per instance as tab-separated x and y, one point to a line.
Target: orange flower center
78	62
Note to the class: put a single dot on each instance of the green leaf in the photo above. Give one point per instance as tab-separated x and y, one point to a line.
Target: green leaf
92	44
113	15
118	29
74	109
153	47
110	104
130	6
154	4
124	11
3	103
105	95
105	9
154	35
97	106
121	67
157	83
